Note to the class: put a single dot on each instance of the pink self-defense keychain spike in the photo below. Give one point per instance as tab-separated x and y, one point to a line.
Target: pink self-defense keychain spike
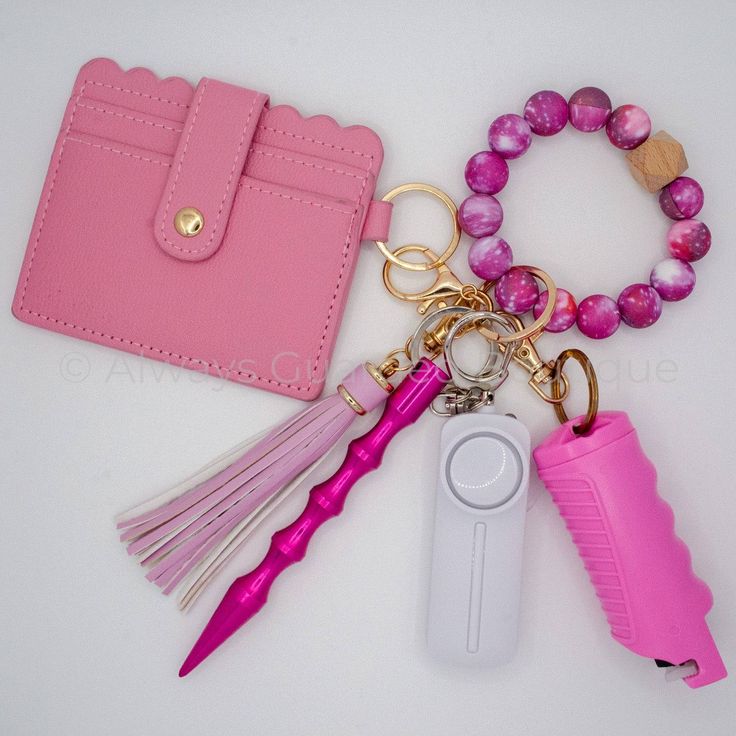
248	594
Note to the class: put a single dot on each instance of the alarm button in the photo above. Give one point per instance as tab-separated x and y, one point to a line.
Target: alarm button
484	470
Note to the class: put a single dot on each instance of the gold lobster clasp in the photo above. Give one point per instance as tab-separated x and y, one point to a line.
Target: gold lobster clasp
541	372
446	289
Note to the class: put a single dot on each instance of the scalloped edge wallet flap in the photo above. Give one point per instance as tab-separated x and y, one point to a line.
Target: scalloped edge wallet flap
201	227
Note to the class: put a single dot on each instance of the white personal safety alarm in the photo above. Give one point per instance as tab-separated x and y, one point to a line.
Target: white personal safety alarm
478	538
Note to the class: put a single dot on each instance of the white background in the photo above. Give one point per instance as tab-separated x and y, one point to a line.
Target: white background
88	647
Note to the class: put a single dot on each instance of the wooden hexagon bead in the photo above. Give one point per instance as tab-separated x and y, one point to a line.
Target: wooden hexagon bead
657	162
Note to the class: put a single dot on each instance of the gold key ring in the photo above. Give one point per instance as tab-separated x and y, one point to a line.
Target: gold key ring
454	241
590	376
446	284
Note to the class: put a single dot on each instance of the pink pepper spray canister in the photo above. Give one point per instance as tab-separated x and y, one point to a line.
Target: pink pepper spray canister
605	489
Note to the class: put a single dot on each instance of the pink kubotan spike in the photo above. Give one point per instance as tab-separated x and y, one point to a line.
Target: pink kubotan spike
248	594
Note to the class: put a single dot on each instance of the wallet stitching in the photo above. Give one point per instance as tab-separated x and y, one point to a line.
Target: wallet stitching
345	251
141	345
306	163
132	92
178	172
129	117
295	199
48	196
116	150
207	245
262	379
316	140
242	184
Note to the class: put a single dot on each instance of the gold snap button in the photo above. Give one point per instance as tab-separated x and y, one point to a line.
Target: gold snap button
188	221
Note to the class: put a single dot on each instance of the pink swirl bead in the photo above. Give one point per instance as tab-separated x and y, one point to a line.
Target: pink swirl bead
546	112
628	127
589	109
639	305
688	240
682	198
486	172
564	313
480	214
510	136
489	258
516	291
673	279
598	316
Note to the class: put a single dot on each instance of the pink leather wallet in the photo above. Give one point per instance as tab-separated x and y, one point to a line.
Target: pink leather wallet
201	227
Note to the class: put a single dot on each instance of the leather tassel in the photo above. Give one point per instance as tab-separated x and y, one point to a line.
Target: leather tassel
194	528
198	579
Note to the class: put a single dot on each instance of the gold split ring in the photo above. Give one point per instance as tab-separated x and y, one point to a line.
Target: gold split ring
590	376
454	241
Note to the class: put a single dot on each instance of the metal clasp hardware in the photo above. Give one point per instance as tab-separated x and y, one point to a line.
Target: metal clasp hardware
436	261
590	377
528	358
447	290
446	285
461	400
542	373
188	222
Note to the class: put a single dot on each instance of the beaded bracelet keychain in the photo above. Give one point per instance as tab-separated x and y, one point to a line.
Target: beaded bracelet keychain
657	163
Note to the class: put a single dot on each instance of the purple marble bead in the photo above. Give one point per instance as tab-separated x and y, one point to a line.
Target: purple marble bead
480	214
589	109
688	240
682	198
628	127
598	316
546	112
490	257
486	172
516	291
673	279
639	305
564	314
510	136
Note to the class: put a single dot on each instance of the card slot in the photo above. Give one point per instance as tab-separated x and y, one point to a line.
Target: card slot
124	127
290	143
341	201
119	148
304	247
298	195
131	114
135	101
305	172
285	128
294	143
